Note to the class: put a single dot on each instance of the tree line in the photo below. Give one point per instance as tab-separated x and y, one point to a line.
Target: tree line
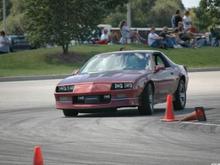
59	22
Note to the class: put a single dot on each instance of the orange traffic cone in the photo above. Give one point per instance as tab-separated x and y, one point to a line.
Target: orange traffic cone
198	114
38	158
169	115
190	117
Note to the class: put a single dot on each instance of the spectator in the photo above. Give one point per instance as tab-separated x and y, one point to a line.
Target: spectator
182	37
125	32
172	21
187	21
154	40
185	35
192	29
4	43
104	39
115	37
197	39
215	37
136	37
176	19
169	39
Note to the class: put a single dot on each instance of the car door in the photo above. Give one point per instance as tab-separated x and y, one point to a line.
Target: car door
164	77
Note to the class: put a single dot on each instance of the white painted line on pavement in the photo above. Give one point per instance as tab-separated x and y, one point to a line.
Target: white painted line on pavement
206	124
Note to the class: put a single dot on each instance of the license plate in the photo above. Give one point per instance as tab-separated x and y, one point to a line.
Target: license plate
91	99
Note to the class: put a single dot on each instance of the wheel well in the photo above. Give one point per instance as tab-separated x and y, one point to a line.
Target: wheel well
150	82
183	78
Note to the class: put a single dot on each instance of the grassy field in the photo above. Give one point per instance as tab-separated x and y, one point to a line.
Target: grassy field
50	62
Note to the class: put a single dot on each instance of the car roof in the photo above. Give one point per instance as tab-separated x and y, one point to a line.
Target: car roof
131	51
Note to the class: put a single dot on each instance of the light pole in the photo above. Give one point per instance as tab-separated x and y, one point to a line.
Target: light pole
4	14
129	14
129	17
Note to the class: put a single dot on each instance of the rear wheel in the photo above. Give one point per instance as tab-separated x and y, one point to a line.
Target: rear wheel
180	96
70	113
147	101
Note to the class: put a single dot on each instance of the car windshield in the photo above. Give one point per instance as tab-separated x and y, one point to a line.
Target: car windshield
116	61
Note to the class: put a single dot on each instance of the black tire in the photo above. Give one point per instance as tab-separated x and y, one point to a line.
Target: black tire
180	96
147	100
70	113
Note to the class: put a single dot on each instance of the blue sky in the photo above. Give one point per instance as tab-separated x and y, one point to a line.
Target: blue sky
191	3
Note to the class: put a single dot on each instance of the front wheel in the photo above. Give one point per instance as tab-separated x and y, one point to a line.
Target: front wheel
147	101
180	96
70	113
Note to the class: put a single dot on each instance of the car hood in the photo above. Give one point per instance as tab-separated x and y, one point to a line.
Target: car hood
110	76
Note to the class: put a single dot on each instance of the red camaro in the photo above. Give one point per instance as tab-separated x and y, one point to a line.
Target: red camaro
108	81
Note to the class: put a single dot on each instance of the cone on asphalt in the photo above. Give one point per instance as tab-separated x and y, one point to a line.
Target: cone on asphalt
190	117
169	115
198	114
38	157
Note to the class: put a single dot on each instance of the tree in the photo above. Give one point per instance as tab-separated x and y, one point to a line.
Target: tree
59	22
208	14
8	6
146	13
213	7
142	8
15	19
162	12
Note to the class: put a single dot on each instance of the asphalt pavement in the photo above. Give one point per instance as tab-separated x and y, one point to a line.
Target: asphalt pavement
28	118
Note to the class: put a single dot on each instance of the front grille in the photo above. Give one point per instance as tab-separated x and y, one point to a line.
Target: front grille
92	99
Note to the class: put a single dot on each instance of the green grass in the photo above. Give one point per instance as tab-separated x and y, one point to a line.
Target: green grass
48	61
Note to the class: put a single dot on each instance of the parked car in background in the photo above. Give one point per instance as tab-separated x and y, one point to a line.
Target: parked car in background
139	78
18	42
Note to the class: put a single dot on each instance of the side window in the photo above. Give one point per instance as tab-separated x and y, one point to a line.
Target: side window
160	60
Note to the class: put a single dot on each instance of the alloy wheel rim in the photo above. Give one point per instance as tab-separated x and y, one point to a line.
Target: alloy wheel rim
150	97
182	94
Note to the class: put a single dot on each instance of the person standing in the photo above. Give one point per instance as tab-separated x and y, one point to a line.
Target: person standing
125	32
172	20
177	18
187	21
4	43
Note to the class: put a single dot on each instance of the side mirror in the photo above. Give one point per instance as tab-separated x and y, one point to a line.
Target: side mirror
75	72
158	68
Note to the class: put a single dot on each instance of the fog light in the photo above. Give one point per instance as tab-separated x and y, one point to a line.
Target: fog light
65	99
121	96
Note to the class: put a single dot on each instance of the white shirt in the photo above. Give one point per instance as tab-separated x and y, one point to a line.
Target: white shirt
187	22
4	44
152	36
104	37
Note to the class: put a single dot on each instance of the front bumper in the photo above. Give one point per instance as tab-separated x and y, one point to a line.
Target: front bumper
120	98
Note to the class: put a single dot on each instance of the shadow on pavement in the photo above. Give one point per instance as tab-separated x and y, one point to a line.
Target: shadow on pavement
134	113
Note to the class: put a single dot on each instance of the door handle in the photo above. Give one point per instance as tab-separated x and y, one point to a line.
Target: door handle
171	73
